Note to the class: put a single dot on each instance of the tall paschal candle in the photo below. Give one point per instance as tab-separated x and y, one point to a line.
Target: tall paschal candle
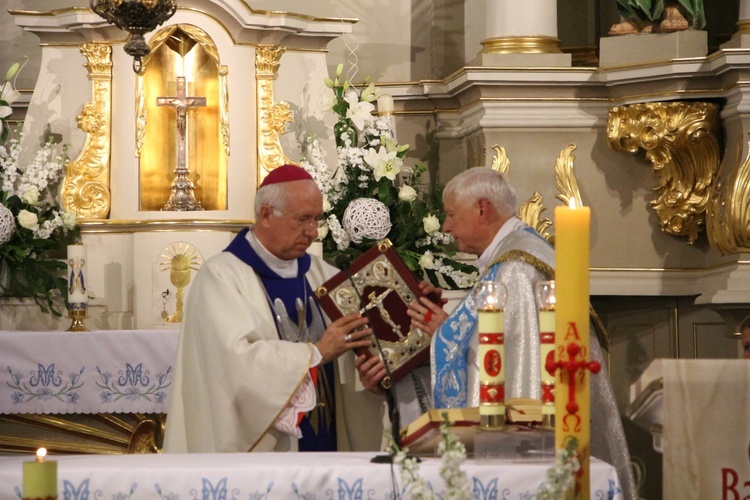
572	398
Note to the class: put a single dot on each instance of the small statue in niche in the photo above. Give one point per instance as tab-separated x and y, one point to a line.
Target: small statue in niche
654	16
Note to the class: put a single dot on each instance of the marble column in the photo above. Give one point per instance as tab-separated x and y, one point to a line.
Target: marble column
741	38
522	36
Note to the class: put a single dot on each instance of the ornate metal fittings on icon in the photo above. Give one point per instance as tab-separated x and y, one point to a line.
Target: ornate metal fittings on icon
137	17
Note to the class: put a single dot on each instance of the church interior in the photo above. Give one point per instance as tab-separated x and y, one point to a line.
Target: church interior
648	127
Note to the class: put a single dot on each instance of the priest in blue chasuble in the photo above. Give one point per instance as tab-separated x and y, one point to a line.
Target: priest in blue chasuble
258	367
480	207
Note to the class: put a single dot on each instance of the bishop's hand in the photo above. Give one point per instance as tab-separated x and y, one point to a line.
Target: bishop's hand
347	332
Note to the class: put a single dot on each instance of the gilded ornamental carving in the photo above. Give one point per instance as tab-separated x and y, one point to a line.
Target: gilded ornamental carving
85	189
681	140
272	116
728	221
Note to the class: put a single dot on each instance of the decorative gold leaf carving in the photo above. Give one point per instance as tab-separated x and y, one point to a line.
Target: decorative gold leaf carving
565	178
140	114
85	188
268	60
224	106
531	213
279	115
728	217
272	117
681	140
500	161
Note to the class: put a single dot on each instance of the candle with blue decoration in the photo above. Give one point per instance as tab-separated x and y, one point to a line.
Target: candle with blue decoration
78	299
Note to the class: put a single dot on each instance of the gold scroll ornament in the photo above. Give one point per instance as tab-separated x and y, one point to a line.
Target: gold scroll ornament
728	220
85	188
681	140
272	116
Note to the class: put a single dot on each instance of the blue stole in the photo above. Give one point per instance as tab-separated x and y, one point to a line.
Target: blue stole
321	437
286	289
450	351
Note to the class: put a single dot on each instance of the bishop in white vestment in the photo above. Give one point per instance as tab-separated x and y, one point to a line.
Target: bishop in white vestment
257	369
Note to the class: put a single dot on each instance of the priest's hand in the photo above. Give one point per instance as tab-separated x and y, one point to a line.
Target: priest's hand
371	371
427	313
347	332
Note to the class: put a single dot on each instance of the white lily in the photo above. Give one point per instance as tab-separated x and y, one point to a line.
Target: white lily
359	112
383	163
368	93
9	94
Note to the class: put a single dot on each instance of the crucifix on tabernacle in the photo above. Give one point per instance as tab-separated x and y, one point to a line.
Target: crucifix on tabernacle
182	191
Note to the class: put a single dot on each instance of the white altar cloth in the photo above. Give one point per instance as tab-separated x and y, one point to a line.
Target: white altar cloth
105	371
277	475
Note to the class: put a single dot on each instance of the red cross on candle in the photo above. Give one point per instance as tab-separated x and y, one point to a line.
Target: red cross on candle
572	366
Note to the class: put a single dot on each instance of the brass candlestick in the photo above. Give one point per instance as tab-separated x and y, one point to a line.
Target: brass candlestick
77	313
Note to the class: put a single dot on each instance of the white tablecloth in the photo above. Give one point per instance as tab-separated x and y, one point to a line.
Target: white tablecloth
277	475
106	371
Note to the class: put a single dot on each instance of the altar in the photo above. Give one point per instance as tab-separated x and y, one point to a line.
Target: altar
279	475
102	392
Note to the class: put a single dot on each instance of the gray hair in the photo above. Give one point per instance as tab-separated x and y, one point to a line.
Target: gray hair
476	183
274	196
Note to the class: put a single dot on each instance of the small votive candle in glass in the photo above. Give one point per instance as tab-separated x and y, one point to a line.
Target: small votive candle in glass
40	478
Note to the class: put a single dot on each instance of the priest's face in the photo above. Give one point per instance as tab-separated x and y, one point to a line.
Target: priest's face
291	229
462	221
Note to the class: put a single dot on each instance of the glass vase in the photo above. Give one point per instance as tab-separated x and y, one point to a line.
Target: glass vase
345	127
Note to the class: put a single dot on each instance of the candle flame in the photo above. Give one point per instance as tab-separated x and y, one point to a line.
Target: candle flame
572	203
40	454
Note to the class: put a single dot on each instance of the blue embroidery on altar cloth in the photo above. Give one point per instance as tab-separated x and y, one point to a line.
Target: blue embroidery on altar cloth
44	384
211	492
133	383
355	491
70	492
488	492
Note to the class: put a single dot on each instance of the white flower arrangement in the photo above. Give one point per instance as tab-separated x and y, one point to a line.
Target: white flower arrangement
453	453
559	480
370	165
39	227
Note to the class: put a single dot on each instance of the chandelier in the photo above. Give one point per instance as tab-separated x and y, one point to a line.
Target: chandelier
137	17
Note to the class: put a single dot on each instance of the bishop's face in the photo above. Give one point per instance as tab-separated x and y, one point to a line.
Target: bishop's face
292	231
462	221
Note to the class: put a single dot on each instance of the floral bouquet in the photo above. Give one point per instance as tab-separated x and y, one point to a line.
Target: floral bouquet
372	195
32	224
